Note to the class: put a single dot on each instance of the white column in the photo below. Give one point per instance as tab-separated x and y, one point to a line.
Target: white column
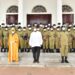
20	12
74	18
59	11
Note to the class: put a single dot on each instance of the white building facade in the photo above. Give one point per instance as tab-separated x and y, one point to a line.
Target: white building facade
25	7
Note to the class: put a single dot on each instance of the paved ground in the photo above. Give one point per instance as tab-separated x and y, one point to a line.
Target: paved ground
36	71
49	65
46	60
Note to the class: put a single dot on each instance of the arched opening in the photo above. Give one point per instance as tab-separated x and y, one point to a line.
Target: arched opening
39	8
68	16
12	15
66	8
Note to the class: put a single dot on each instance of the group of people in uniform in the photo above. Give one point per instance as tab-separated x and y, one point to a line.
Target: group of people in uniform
56	38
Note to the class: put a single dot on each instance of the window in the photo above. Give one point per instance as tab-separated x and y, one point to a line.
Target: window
39	8
12	15
12	9
66	8
68	15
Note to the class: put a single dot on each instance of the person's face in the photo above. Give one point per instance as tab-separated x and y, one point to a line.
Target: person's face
6	28
30	28
48	24
13	30
69	30
63	28
19	29
54	26
24	29
35	29
41	25
48	28
44	29
38	29
58	29
51	29
70	25
74	28
28	25
35	25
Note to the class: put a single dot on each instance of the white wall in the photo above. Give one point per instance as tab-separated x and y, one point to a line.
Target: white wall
50	5
4	5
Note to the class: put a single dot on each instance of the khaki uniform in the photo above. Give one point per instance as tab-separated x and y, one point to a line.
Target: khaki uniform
20	39
45	40
70	39
0	37
33	27
41	30
27	41
5	38
25	37
51	39
73	35
57	39
64	43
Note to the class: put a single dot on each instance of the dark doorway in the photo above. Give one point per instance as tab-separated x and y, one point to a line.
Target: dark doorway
68	18
39	18
12	19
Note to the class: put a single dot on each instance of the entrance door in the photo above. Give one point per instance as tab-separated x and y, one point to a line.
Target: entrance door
68	18
39	18
12	19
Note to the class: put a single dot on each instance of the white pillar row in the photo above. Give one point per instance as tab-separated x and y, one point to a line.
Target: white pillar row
59	11
20	12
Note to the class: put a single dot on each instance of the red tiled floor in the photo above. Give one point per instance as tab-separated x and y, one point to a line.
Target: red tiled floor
36	71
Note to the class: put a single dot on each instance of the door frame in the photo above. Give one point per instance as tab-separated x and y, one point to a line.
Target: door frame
40	14
67	13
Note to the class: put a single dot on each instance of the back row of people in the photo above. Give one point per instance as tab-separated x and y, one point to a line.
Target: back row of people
51	37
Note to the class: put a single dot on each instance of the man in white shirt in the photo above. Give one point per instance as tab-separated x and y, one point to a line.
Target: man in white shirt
35	42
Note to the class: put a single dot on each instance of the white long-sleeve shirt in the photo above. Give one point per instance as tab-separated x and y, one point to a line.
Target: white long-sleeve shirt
35	39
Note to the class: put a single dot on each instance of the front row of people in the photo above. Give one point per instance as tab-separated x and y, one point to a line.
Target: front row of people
35	41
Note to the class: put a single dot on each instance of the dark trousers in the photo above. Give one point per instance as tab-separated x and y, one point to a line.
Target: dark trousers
36	53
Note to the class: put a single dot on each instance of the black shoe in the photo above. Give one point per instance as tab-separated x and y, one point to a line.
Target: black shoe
22	50
27	50
57	50
38	61
6	50
72	50
47	50
34	61
62	61
2	50
52	51
43	50
66	61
